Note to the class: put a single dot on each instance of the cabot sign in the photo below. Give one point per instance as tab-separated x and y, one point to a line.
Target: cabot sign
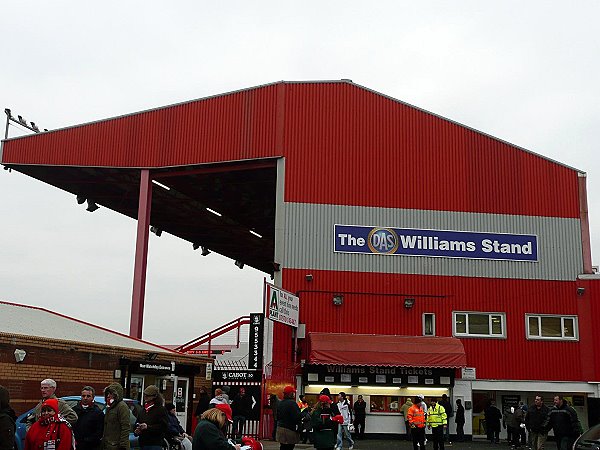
236	375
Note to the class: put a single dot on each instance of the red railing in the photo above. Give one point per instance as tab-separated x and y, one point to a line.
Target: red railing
208	337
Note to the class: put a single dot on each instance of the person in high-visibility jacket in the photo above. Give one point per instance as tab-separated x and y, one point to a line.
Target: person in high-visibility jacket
436	421
417	419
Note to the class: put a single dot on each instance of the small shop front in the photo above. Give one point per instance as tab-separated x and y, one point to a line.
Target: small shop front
174	381
384	389
384	370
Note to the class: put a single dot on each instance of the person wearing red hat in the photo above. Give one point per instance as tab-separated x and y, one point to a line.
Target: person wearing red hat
288	420
325	424
51	431
210	431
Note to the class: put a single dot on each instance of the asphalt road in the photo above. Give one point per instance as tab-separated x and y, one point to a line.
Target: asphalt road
381	444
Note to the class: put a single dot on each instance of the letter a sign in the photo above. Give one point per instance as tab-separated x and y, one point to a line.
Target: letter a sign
282	306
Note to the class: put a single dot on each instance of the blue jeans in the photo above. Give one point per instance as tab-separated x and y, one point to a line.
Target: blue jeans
343	432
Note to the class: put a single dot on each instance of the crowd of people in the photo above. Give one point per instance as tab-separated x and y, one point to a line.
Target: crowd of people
328	423
528	426
54	425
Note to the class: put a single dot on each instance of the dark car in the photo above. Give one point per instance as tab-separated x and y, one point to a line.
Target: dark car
590	440
21	429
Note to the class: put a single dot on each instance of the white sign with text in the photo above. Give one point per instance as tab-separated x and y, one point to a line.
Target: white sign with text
282	306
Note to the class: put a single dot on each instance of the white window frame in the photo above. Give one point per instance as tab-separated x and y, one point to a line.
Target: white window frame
485	336
552	338
432	324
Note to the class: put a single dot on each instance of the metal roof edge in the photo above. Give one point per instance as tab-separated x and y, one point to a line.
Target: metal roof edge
346	81
373	91
107	330
155	168
171	105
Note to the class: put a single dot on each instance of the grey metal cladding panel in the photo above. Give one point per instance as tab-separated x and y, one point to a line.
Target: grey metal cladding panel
309	242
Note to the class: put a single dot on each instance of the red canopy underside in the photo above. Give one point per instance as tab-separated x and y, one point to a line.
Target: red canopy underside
382	350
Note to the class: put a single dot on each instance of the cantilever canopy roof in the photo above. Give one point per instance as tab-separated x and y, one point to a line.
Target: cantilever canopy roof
242	192
379	350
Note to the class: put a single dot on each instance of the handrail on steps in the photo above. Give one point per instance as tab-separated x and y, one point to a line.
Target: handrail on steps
208	337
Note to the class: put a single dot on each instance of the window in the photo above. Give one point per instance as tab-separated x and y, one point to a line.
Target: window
478	324
428	324
385	403
551	327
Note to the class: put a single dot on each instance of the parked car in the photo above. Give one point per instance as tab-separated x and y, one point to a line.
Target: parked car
590	440
21	429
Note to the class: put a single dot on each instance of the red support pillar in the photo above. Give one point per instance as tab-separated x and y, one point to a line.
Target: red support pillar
141	256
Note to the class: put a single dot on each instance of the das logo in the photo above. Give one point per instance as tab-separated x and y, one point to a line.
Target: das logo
383	240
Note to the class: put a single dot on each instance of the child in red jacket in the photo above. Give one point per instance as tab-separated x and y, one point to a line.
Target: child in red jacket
51	431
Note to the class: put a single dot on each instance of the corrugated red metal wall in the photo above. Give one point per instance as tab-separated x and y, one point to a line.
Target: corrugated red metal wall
344	145
373	303
365	149
229	127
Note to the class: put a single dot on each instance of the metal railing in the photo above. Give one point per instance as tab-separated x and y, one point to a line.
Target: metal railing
208	337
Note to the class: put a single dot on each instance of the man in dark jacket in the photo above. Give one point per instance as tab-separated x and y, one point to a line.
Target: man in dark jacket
273	404
7	421
175	433
89	427
288	419
360	414
242	408
116	419
153	423
514	419
459	420
536	421
449	413
203	403
565	423
492	421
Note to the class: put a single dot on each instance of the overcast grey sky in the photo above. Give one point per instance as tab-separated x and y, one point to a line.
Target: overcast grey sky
526	72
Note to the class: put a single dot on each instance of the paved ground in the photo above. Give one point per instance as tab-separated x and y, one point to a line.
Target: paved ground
379	444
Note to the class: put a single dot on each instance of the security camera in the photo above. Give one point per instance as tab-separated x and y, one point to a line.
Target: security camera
20	355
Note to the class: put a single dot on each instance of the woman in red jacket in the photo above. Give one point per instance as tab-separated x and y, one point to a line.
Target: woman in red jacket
51	431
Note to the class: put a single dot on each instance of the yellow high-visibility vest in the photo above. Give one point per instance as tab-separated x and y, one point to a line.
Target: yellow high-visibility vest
437	416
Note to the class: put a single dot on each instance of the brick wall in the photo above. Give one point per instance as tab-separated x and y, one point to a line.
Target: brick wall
72	365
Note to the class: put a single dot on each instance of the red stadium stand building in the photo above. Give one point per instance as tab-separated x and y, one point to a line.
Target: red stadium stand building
426	256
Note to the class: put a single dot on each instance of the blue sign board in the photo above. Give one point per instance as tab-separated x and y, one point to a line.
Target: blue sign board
445	243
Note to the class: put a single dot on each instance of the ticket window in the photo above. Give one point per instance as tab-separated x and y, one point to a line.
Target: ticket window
385	403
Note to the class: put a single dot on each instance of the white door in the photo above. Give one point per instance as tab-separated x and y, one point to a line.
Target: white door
180	400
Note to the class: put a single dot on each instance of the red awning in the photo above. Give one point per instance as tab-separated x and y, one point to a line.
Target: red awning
382	350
